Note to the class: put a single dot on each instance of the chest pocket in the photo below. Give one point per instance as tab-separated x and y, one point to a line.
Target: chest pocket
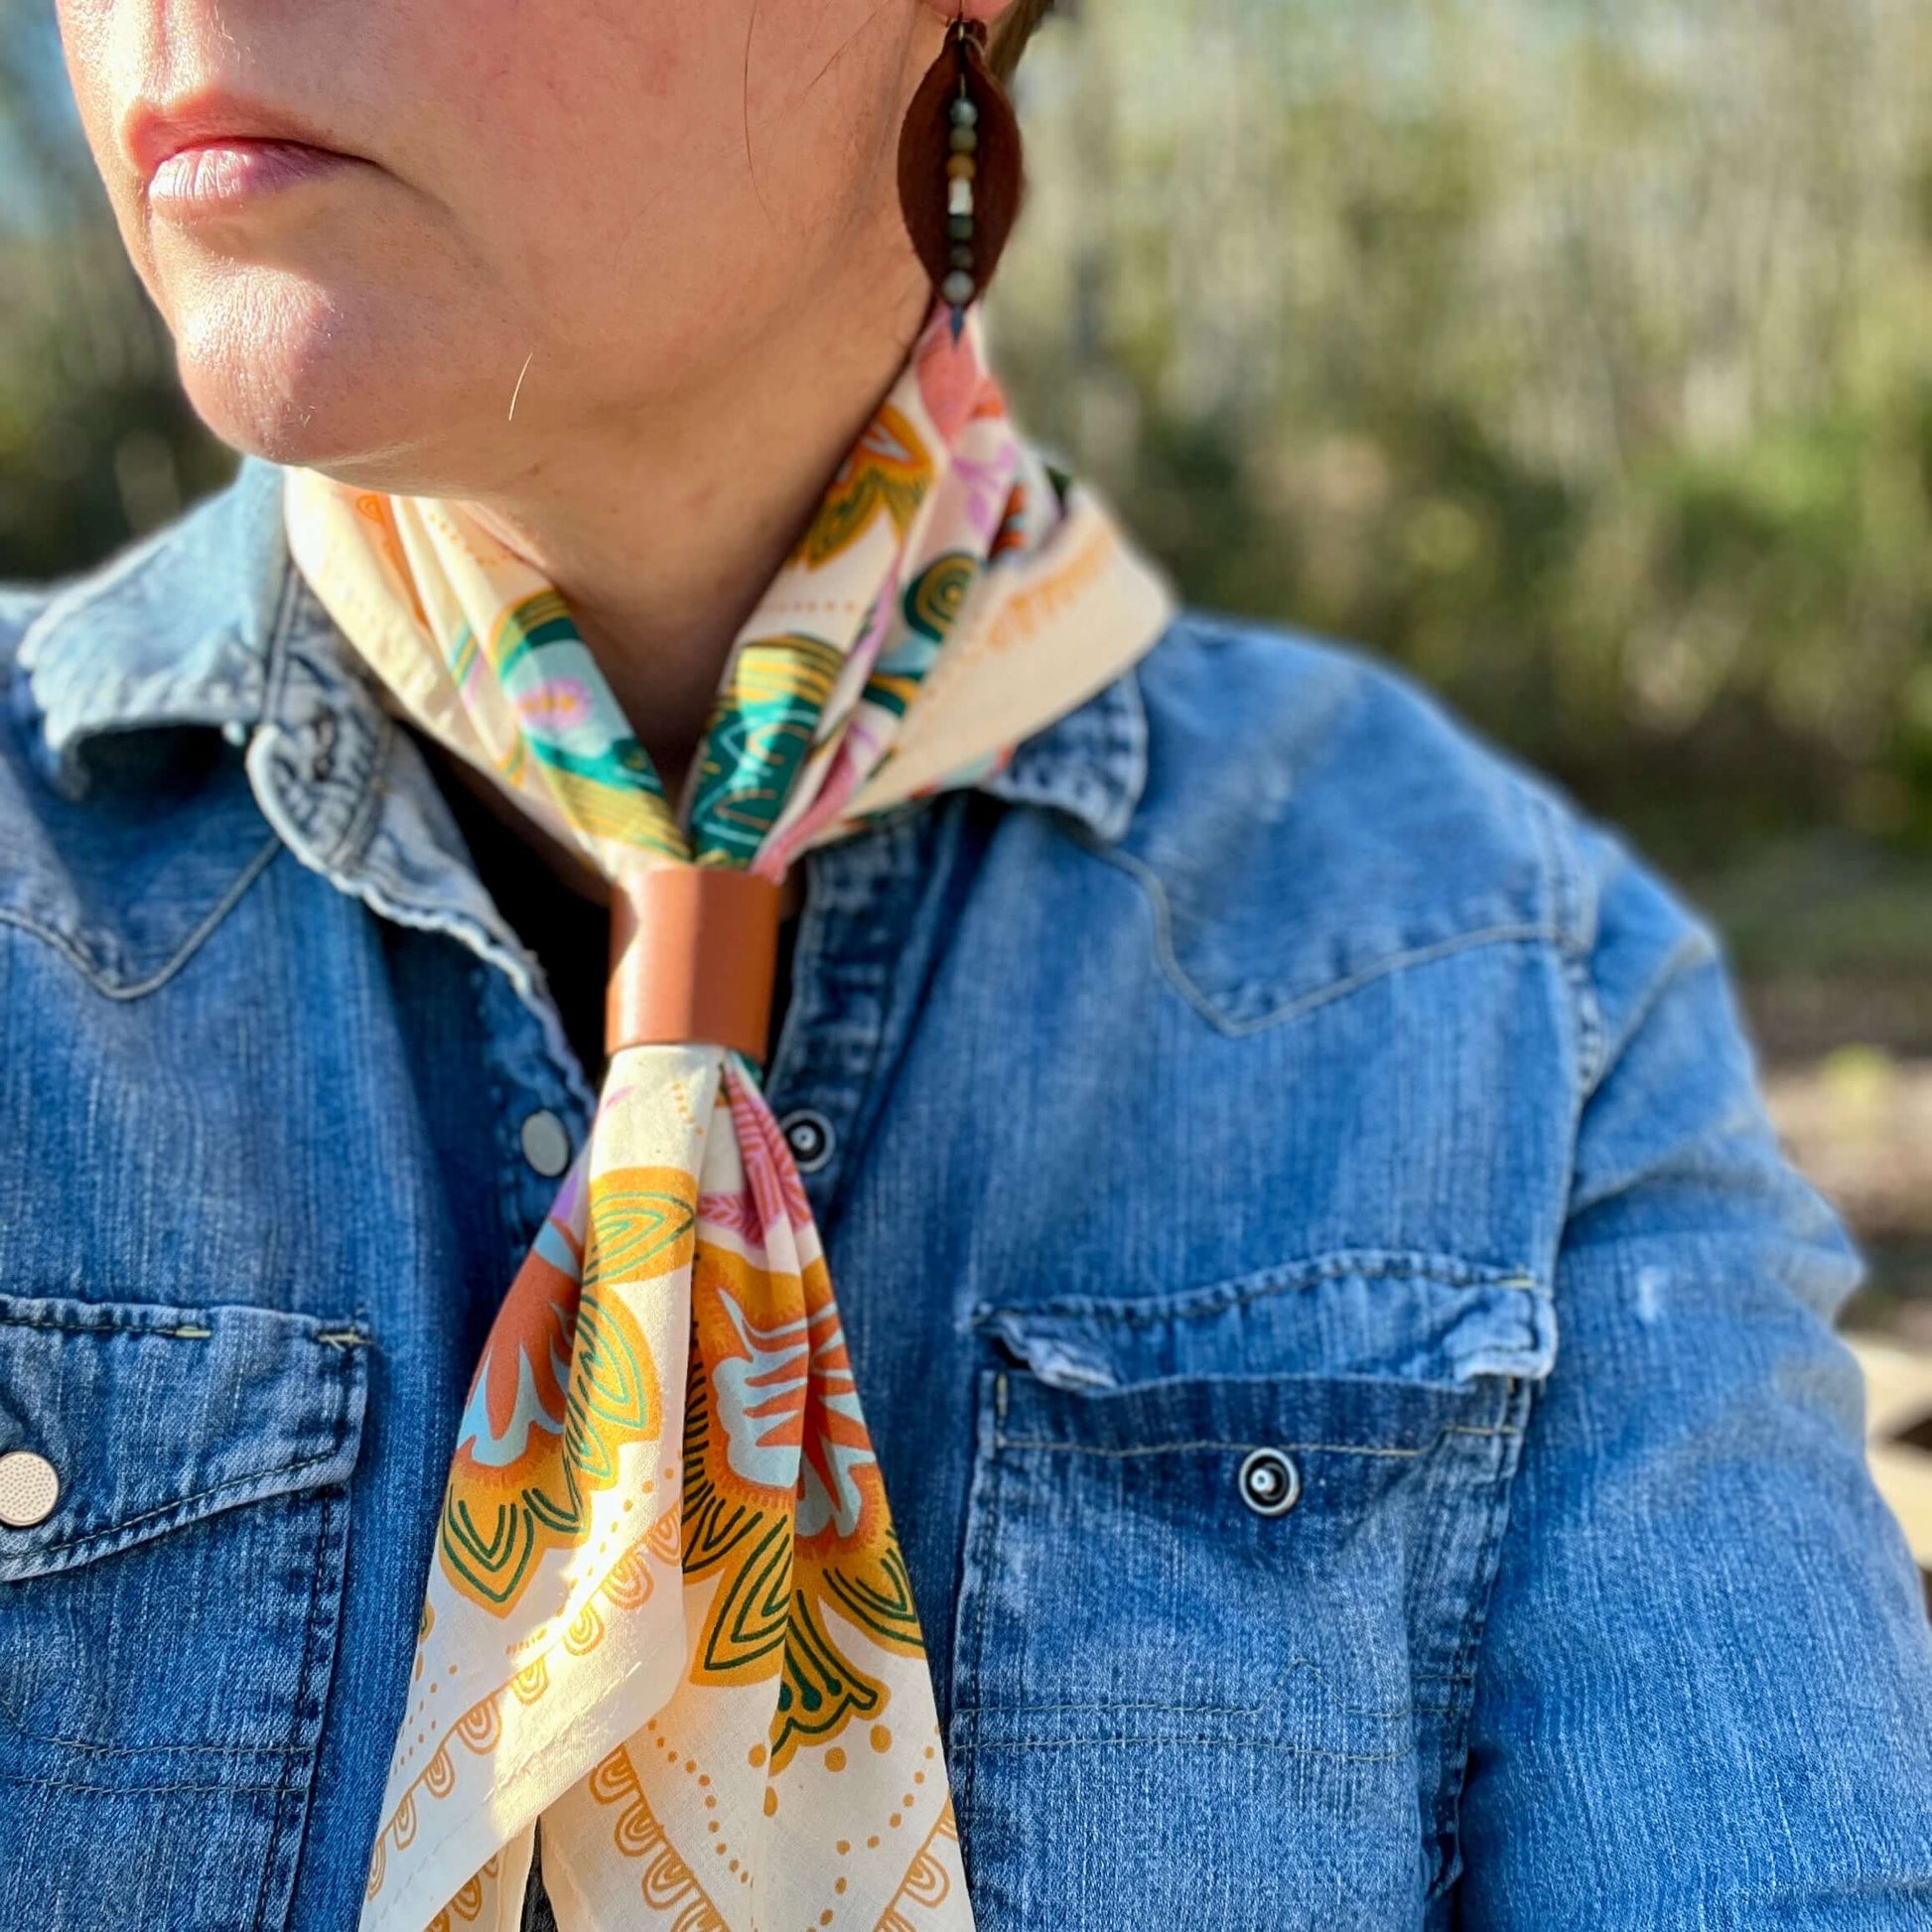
1225	1568
171	1569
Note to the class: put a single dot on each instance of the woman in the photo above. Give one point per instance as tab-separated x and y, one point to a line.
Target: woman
1321	1410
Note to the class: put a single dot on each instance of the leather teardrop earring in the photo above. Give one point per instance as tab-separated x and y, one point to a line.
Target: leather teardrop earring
959	170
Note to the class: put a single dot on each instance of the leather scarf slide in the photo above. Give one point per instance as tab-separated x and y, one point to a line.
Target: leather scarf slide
667	1615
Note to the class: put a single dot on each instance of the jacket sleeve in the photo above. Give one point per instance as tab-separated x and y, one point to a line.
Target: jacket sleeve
1704	1690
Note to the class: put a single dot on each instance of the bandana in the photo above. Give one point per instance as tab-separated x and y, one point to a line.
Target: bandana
668	1616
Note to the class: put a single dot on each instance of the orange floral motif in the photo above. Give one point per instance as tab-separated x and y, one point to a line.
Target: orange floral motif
888	471
783	1495
467	1907
667	1884
566	1380
928	1882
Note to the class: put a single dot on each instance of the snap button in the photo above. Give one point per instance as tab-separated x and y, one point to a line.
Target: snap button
1271	1484
809	1136
321	761
29	1489
546	1144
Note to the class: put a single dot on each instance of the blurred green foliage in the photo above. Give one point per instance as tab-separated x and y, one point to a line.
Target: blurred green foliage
1578	356
96	444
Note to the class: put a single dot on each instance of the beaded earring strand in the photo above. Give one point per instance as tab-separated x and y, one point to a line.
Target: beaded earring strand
959	286
959	170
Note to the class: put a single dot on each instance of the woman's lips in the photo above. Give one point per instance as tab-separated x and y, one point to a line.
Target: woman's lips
226	171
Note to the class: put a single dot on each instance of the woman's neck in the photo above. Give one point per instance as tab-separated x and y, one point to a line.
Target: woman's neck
663	526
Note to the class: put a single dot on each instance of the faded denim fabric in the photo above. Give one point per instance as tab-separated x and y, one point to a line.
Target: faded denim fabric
1362	1414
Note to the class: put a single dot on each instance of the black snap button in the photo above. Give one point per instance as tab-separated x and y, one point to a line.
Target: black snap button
809	1136
1271	1484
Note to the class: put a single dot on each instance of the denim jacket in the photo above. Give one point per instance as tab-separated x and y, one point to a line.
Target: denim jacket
1352	1370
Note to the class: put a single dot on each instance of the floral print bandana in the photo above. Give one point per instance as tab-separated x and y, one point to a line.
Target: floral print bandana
667	1615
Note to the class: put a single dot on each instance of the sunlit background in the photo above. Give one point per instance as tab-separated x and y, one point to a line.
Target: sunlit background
1577	358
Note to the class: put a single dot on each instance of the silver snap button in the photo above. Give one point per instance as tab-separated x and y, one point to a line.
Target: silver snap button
29	1489
809	1136
1271	1484
546	1144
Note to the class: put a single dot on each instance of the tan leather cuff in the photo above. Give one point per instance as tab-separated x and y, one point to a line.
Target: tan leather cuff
694	952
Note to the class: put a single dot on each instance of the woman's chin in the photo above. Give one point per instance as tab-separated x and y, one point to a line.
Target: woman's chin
307	379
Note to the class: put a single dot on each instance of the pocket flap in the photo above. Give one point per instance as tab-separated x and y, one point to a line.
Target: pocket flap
1357	1313
155	1416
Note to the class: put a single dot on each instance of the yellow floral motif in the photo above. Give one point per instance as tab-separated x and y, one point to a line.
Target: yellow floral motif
889	472
566	1381
783	1501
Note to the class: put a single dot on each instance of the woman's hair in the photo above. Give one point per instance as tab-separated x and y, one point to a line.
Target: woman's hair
1015	31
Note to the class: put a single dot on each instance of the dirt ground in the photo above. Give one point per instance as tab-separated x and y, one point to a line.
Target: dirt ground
1859	1123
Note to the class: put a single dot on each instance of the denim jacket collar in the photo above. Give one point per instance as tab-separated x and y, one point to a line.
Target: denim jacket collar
209	622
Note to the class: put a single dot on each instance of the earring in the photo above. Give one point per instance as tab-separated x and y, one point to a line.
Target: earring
959	170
